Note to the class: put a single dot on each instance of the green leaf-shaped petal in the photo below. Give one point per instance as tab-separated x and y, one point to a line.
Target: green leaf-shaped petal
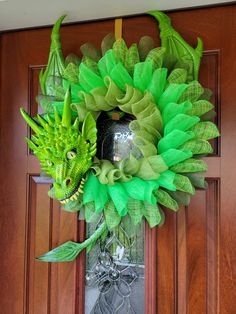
107	63
200	107
181	198
142	75
135	210
172	109
171	94
111	215
71	73
88	79
120	49
190	165
90	51
166	200
107	42
91	64
152	214
205	130
181	122
193	92
132	57
197	180
177	76
183	184
156	56
173	140
158	83
174	156
197	147
146	44
121	76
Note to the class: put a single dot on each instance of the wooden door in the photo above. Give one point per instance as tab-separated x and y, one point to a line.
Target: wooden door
190	262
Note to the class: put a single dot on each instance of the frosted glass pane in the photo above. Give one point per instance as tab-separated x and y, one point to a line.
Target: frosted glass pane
115	274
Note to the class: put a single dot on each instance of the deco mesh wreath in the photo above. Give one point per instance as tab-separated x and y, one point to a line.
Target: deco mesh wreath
159	88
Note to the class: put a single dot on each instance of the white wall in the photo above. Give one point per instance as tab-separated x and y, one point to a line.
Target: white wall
29	13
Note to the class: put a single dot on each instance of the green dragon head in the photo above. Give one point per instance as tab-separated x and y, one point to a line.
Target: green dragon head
64	149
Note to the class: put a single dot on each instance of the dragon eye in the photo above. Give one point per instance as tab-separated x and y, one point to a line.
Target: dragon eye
49	163
71	154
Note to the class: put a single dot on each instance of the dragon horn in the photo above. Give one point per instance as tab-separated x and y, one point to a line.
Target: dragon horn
42	121
66	116
162	18
31	122
55	37
56	116
56	63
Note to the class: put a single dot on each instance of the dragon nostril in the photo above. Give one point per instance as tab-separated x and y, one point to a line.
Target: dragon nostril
68	182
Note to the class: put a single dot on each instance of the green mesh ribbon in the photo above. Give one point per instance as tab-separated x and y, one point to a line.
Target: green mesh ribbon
159	87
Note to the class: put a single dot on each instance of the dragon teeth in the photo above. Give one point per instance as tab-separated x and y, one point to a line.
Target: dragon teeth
75	195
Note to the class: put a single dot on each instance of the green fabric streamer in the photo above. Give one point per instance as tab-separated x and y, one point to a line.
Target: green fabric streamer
181	198
121	76
190	165
182	183
198	147
174	156
157	83
141	190
152	214
156	56
71	73
132	57
89	79
200	107
173	109
173	140
75	90
177	76
135	210
111	215
166	180
90	51
120	50
181	122
205	130
171	94
146	44
107	63
166	200
142	75
107	43
193	92
95	192
91	64
119	197
197	180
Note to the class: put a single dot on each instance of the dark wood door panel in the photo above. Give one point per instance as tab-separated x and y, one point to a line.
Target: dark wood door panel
190	260
50	288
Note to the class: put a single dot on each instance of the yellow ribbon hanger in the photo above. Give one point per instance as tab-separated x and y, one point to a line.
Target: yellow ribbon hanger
118	28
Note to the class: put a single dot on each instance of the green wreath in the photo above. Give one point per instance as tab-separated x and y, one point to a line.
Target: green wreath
159	87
